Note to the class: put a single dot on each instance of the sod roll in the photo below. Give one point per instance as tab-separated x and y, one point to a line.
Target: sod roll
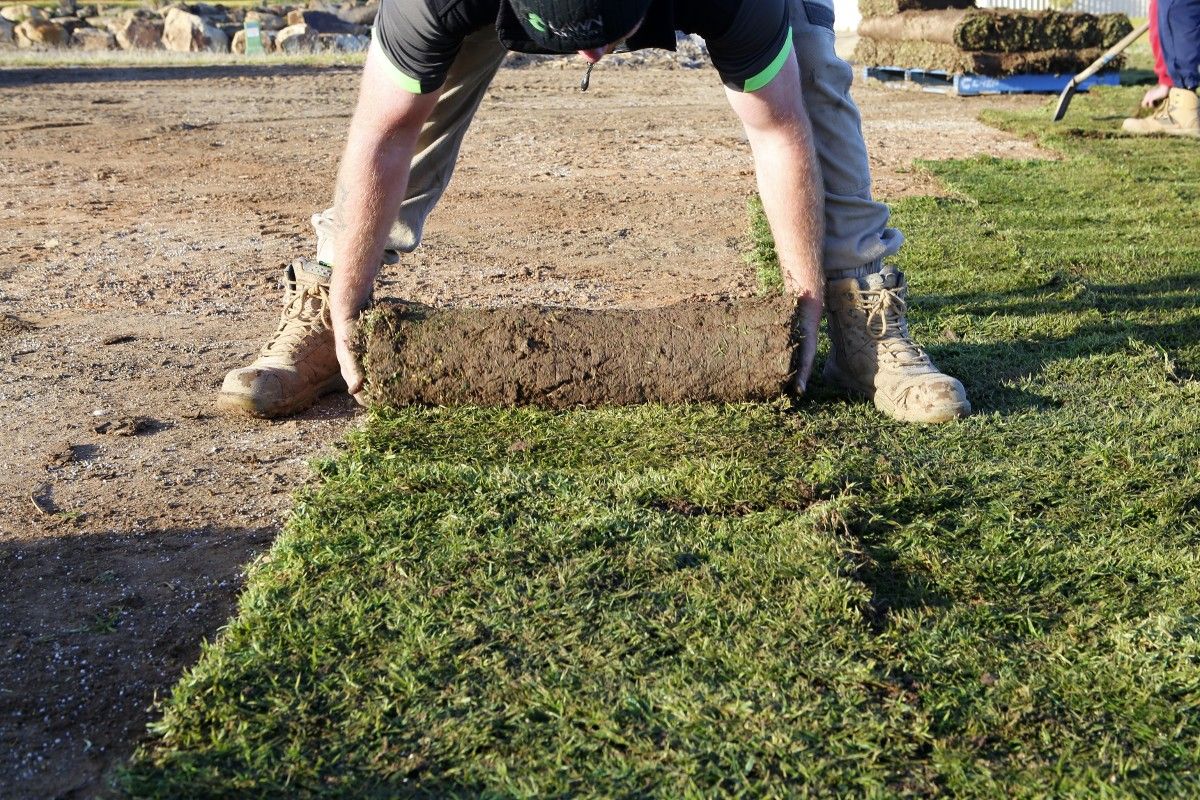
999	30
928	26
929	55
1021	31
883	8
693	351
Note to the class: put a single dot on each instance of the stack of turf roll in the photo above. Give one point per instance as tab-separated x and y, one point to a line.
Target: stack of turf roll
951	35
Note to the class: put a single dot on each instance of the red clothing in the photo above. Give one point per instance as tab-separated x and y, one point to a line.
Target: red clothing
1160	65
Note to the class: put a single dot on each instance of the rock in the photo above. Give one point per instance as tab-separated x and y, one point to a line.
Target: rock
87	11
32	35
210	12
188	33
6	34
69	24
135	33
323	22
239	41
296	39
358	15
93	40
342	43
23	12
266	20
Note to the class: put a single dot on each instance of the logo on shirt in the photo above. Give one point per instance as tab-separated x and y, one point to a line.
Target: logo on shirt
583	29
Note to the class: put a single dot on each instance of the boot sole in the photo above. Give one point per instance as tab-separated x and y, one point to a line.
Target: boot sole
881	402
1184	134
1190	134
244	404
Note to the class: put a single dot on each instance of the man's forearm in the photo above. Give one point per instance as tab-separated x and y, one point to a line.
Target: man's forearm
789	183
370	188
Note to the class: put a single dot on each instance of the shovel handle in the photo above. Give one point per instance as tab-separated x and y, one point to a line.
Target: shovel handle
1111	53
1100	63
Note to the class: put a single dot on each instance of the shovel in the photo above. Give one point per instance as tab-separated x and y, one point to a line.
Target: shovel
1100	63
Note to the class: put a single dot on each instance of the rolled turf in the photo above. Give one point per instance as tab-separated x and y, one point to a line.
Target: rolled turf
693	351
931	55
999	30
881	8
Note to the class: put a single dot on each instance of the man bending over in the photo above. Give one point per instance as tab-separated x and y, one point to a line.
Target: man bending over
429	66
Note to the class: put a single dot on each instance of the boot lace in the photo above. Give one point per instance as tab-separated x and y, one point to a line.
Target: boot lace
300	318
885	322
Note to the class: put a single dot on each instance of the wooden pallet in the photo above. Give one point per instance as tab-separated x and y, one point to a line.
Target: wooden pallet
966	84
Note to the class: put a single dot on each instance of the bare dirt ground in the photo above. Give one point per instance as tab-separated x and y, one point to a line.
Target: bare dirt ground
146	215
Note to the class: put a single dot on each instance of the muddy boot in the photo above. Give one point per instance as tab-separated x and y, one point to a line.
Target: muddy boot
298	364
874	357
1178	115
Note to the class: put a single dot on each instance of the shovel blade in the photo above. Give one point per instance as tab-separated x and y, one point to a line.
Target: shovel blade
1064	100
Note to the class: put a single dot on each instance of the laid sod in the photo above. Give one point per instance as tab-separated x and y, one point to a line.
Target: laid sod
764	600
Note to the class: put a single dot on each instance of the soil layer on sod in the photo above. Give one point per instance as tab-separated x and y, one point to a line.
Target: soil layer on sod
752	600
948	57
698	351
1000	30
883	8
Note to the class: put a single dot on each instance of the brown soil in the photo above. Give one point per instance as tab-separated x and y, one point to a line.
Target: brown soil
147	215
691	351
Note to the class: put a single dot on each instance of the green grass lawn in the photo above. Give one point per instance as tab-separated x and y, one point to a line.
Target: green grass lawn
773	600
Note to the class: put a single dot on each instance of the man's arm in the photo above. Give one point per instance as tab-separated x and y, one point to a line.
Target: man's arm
789	183
371	184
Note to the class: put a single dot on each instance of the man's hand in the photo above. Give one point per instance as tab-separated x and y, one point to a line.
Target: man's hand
809	312
343	334
1154	96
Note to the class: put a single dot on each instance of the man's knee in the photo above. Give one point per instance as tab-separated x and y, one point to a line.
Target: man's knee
819	63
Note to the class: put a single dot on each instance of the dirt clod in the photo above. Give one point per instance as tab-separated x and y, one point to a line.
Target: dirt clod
61	455
12	324
126	426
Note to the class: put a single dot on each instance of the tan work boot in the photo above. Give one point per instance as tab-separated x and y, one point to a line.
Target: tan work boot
298	364
1178	115
874	357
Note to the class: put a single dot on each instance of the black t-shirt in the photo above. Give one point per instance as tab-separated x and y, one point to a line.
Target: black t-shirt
748	40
